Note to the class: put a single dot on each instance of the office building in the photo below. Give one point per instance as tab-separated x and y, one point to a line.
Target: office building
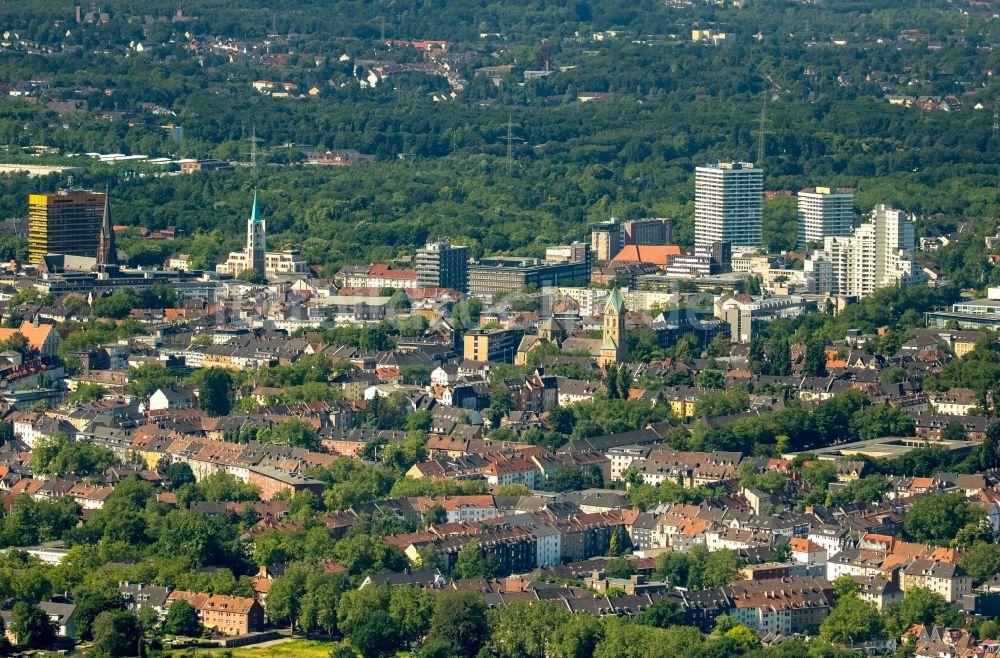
749	318
576	252
495	345
509	274
704	260
982	313
727	208
824	212
649	232
878	254
68	223
606	239
443	265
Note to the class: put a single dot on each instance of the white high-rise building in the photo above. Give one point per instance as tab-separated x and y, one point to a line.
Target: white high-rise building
727	204
825	212
878	254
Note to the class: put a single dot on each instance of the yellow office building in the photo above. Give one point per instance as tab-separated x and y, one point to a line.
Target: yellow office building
64	223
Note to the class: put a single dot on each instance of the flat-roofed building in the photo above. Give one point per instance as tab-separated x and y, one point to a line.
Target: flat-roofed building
68	223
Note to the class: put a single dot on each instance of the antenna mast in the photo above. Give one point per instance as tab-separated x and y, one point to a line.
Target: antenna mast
761	132
510	144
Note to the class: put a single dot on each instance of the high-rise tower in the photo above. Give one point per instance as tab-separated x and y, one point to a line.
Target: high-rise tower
823	212
67	223
727	206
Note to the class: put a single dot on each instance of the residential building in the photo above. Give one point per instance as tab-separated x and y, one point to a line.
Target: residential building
376	275
823	212
68	222
728	198
443	265
40	336
273	481
878	254
172	397
228	615
947	579
143	595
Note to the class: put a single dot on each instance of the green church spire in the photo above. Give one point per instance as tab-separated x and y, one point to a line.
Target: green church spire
255	213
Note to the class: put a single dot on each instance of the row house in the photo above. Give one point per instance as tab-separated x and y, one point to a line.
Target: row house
499	473
469	467
954	402
781	606
460	509
571	391
688	469
929	426
809	554
514	547
738	539
878	590
532	393
549	465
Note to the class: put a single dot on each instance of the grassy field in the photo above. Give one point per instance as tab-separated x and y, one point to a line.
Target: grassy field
290	649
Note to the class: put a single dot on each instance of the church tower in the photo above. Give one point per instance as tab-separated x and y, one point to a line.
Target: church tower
107	254
614	349
256	239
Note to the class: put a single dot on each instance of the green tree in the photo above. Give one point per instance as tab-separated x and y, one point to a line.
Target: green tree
31	626
90	604
721	568
522	630
982	562
814	363
663	613
619	568
460	622
363	617
711	379
919	606
672	567
954	431
116	633
177	474
882	420
851	620
938	518
473	562
85	393
434	515
577	637
182	619
214	390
